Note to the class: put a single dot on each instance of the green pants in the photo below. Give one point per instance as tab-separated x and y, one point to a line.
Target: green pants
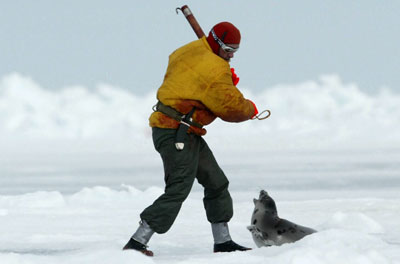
195	161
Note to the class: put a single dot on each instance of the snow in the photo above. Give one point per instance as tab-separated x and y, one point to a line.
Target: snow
77	167
321	113
92	225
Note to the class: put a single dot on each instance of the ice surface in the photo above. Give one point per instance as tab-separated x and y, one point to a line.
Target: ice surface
92	225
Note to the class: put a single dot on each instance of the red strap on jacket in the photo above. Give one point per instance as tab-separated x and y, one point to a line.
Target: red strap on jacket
235	78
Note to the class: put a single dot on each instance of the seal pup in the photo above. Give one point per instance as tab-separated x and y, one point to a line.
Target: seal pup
270	230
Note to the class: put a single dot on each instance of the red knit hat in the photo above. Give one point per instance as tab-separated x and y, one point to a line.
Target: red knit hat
226	32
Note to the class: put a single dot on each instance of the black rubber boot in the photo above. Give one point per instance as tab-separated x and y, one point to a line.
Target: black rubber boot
133	244
229	246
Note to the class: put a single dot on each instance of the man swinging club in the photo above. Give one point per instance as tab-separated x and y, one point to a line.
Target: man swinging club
198	87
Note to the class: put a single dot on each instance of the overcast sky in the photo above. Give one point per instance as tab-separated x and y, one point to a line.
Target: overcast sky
127	43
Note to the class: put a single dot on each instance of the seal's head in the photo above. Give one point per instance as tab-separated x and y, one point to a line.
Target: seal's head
265	201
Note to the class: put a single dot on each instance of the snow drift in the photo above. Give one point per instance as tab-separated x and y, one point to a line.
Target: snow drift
313	114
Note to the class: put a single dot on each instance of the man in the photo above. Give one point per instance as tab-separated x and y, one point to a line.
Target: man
200	85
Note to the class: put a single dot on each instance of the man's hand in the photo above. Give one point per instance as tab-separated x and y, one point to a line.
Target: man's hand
255	109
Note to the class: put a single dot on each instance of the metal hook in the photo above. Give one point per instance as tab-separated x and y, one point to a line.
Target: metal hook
178	8
260	117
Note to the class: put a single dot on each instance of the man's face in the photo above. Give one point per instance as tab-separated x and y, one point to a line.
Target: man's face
227	55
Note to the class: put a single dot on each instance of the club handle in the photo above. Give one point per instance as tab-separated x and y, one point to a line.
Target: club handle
192	20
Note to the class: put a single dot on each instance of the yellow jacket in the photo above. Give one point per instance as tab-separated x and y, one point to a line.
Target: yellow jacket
198	77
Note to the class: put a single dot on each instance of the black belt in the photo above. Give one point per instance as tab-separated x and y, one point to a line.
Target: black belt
171	112
185	121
